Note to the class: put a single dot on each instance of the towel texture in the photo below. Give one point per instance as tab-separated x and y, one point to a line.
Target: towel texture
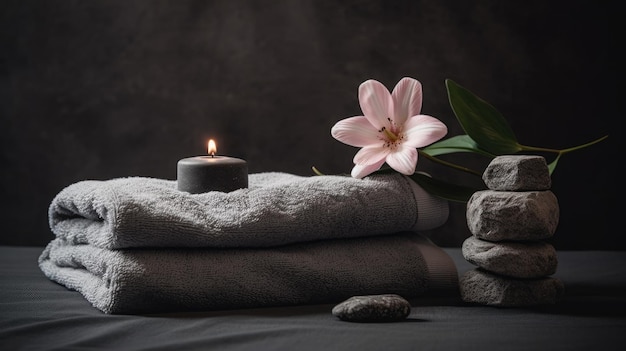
328	271
276	209
138	245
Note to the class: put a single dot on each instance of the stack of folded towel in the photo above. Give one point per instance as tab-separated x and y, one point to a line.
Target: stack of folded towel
138	245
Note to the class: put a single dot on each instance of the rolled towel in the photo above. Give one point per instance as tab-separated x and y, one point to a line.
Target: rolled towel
131	281
276	209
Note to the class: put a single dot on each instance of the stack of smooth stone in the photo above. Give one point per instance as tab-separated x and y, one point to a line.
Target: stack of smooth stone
509	223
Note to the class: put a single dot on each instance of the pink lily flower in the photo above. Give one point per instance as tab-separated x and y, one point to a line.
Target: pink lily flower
391	129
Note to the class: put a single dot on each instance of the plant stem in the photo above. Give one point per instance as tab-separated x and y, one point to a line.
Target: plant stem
449	164
562	151
316	171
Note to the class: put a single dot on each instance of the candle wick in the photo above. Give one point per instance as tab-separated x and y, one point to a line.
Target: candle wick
212	154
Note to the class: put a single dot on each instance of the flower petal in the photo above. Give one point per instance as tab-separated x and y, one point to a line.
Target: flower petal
423	130
360	171
376	103
403	160
370	155
407	99
355	131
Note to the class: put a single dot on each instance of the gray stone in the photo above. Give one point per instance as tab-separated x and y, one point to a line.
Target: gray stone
533	259
480	287
517	173
512	215
373	308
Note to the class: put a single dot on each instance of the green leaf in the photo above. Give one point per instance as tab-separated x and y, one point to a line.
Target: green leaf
442	189
552	165
459	143
481	121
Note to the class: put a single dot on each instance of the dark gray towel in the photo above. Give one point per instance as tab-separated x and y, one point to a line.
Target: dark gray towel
276	209
160	280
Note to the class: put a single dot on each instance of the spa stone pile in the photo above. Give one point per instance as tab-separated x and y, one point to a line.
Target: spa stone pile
509	223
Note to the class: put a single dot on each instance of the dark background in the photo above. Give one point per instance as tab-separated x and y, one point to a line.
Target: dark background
104	89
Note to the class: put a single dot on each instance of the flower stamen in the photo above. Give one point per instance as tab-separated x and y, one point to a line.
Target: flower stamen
390	135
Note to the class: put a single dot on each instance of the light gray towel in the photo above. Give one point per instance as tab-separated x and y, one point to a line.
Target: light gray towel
133	281
276	209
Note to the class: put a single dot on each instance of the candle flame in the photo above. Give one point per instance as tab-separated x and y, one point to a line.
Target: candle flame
212	148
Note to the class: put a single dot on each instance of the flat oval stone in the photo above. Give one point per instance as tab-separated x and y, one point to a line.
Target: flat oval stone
373	308
512	215
517	173
534	259
484	288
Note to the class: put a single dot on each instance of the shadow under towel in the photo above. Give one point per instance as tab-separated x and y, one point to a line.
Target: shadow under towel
132	281
276	209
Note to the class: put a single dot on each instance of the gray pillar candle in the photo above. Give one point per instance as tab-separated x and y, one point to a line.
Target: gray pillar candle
202	174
